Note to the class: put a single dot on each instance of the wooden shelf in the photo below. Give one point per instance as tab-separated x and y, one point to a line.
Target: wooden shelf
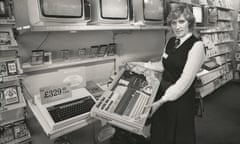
22	140
216	31
223	8
215	84
218	53
190	3
28	68
7	21
223	42
8	48
11	78
228	20
98	27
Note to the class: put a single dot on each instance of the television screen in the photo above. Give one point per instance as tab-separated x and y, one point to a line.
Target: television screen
61	8
54	15
198	14
114	9
153	10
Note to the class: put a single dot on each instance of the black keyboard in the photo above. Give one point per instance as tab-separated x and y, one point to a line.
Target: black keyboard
70	109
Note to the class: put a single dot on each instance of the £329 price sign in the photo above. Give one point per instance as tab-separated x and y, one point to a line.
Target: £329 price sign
56	92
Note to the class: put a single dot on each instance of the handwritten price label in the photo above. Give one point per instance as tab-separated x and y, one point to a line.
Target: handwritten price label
54	93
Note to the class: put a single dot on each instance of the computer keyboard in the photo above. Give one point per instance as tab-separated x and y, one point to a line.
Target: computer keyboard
124	104
70	109
136	81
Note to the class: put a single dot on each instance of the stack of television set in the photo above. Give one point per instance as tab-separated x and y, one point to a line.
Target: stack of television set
50	13
70	13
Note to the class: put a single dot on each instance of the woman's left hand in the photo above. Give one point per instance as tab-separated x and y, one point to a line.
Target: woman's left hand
154	106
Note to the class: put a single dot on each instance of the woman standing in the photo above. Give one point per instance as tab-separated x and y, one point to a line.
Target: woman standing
174	108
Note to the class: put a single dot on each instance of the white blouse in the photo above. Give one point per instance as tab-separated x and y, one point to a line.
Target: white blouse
194	62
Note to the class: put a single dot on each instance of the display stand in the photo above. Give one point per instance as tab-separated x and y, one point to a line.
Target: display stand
14	128
219	42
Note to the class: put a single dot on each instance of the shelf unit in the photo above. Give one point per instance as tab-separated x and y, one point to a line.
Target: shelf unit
91	27
219	43
13	125
28	68
237	51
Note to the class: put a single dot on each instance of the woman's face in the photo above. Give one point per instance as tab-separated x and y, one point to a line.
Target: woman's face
180	26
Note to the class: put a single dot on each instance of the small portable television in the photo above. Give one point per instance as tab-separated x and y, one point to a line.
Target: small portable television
111	11
198	12
149	11
58	12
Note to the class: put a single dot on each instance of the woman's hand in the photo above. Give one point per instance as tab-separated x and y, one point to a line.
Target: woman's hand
155	106
133	64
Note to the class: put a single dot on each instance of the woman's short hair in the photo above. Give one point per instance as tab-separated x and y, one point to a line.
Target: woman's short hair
180	9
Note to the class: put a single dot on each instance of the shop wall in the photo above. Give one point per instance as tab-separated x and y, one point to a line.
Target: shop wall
131	45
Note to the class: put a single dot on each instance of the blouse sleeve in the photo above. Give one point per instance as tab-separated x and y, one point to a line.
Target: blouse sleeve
157	66
194	62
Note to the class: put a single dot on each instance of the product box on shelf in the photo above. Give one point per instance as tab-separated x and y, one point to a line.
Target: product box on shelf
9	68
123	104
7	134
15	132
7	39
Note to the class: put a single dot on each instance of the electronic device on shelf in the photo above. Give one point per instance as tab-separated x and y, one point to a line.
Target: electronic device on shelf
82	52
102	50
108	11
12	67
210	65
60	101
14	131
94	89
37	57
122	105
52	13
112	48
149	11
9	68
20	129
70	109
5	38
7	134
60	114
94	51
9	95
199	14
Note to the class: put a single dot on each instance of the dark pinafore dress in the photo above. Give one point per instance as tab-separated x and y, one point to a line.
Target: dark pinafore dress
173	123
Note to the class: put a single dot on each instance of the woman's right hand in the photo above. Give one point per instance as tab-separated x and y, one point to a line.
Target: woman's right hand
132	64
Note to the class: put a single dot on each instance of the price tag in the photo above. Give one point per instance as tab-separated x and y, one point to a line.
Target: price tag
54	93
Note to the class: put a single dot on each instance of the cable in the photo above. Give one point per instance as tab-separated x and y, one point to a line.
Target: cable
44	40
39	47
